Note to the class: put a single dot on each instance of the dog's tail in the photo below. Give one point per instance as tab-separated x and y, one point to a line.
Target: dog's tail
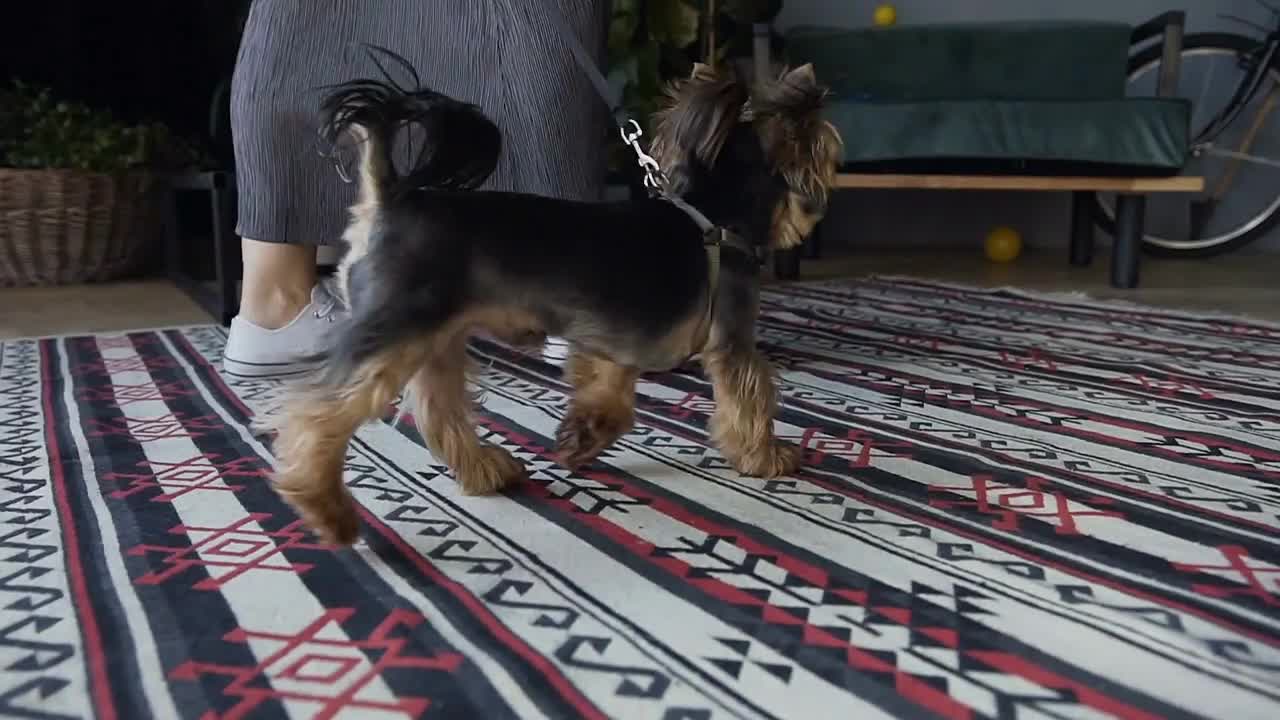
458	148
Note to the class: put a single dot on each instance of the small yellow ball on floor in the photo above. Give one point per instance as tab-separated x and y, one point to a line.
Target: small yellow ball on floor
1003	244
885	15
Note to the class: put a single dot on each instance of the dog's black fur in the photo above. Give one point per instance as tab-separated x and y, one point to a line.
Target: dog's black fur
431	259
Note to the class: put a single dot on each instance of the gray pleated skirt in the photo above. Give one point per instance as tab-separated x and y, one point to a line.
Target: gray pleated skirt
504	55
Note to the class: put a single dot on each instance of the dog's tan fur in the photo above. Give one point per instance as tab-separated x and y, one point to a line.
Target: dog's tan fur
313	431
602	408
742	424
316	425
807	156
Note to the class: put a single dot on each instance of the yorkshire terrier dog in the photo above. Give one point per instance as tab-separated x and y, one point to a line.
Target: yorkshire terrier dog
632	286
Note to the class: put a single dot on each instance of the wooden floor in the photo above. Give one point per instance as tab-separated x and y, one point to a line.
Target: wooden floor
33	312
1247	285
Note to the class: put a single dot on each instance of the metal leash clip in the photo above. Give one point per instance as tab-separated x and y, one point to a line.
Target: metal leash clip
653	175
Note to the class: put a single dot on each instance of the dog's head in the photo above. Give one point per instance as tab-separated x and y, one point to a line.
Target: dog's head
760	158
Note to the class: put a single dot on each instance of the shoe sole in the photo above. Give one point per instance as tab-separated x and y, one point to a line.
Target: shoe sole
264	371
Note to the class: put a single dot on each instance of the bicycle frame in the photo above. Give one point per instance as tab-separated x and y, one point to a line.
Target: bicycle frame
1263	61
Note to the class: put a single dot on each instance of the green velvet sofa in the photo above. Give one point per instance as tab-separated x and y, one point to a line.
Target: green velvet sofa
995	98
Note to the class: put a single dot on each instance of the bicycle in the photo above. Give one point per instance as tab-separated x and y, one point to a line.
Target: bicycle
1241	200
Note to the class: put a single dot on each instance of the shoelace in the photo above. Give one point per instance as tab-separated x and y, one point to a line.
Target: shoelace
325	311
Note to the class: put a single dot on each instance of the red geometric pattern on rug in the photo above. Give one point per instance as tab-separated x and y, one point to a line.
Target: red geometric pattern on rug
126	394
857	447
1036	497
160	427
200	473
234	551
1261	581
326	675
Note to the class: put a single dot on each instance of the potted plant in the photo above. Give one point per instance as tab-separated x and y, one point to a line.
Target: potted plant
77	189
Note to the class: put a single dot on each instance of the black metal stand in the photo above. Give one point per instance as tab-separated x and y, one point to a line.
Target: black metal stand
1130	210
786	264
1082	228
223	301
812	246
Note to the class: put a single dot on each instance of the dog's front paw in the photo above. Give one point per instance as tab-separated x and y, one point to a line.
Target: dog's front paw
583	435
332	516
492	471
773	460
529	340
338	522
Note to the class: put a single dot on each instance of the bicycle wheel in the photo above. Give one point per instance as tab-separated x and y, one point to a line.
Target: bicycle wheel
1241	200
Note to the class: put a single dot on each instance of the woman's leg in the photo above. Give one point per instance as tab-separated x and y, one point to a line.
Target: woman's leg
277	282
291	200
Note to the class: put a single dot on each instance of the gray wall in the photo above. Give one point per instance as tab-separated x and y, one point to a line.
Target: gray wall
900	219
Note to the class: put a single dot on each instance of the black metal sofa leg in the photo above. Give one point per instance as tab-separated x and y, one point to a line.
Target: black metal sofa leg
786	264
226	246
1082	228
812	247
1127	247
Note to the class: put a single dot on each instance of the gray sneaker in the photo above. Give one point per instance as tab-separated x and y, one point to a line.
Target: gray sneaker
253	351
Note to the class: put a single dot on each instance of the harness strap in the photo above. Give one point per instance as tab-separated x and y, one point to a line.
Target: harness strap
716	239
698	218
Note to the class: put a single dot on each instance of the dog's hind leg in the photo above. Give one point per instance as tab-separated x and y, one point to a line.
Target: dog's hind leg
601	411
443	416
742	425
315	426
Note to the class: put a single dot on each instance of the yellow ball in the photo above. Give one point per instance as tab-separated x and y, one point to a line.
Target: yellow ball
1003	244
885	15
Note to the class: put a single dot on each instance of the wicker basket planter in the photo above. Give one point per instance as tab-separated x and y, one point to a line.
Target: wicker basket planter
60	227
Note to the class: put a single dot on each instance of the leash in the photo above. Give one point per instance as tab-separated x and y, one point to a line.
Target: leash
654	179
714	238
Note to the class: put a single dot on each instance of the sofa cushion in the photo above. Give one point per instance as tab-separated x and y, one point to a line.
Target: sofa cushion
1051	60
1137	134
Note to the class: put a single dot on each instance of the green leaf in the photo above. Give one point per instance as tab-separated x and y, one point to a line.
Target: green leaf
39	130
673	22
623	26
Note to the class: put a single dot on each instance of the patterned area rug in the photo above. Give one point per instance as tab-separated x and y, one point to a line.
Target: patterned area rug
1010	508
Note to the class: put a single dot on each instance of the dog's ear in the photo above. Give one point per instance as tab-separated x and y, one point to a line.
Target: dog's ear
795	95
696	117
802	76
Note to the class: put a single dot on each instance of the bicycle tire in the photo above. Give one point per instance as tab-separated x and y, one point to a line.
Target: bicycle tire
1102	215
